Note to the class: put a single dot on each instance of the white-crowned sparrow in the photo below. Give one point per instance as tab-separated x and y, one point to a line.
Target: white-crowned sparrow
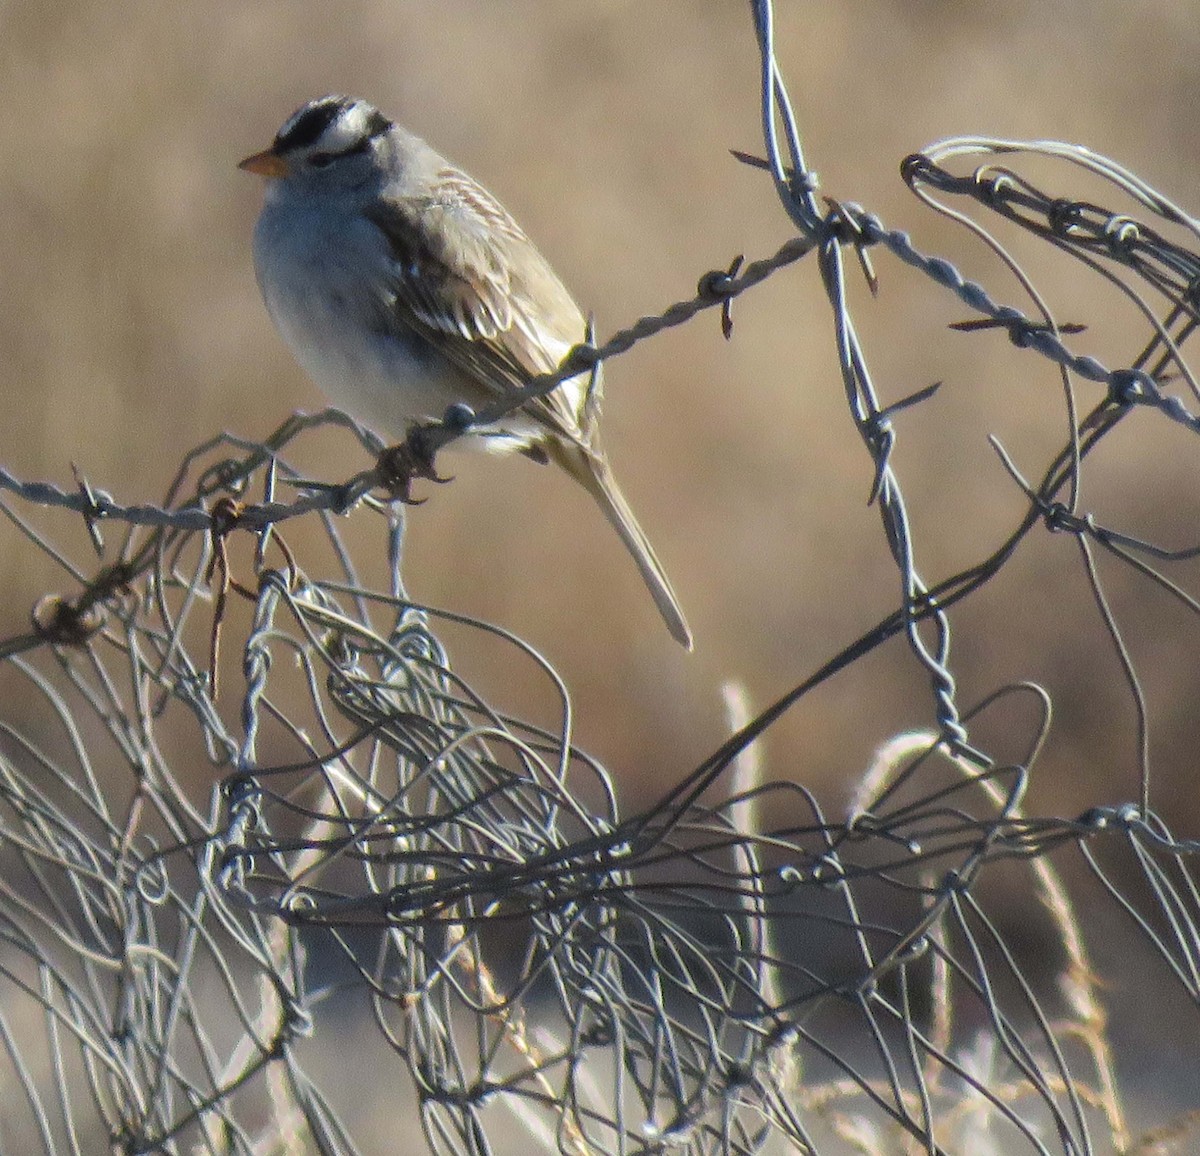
402	286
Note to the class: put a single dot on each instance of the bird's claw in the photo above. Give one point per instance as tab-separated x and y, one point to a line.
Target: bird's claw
401	465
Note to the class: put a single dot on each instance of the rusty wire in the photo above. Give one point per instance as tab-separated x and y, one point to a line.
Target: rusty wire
727	969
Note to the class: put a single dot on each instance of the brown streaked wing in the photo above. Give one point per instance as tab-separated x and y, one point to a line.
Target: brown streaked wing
470	282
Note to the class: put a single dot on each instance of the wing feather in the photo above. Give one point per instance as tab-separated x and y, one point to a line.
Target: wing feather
468	280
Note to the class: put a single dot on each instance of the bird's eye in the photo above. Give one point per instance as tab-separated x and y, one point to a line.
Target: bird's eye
321	160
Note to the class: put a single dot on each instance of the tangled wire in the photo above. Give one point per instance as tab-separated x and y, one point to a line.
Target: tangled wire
728	966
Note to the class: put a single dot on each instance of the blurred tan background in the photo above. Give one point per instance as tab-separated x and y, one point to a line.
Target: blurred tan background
132	329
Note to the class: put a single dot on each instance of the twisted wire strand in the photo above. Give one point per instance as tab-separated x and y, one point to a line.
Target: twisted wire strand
729	965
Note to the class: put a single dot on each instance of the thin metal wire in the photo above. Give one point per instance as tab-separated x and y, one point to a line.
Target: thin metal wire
193	896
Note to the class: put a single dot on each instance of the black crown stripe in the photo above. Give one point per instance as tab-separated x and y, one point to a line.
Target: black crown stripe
306	126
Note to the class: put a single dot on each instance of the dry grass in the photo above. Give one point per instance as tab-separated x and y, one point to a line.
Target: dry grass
132	328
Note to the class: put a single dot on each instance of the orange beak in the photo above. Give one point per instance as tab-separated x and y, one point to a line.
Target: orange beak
267	163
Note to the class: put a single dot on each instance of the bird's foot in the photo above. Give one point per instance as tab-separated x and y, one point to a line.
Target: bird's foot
401	465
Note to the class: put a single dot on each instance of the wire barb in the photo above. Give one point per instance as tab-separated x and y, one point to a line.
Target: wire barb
375	845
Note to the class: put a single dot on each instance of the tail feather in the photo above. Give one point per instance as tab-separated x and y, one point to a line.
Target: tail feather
591	470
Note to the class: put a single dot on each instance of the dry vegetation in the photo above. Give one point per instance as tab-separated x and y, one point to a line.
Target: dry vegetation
132	329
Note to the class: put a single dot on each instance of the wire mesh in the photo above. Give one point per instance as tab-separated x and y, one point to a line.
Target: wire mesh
727	969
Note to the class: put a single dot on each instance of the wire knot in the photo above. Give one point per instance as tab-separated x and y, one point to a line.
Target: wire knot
916	167
580	358
1063	215
721	285
226	514
65	623
1060	519
1127	387
60	621
1122	235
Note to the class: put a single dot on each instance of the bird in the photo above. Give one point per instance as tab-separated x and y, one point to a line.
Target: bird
404	288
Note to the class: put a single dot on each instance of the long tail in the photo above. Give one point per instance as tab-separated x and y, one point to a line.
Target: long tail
591	470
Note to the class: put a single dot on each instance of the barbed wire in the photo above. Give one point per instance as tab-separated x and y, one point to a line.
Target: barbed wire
728	968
